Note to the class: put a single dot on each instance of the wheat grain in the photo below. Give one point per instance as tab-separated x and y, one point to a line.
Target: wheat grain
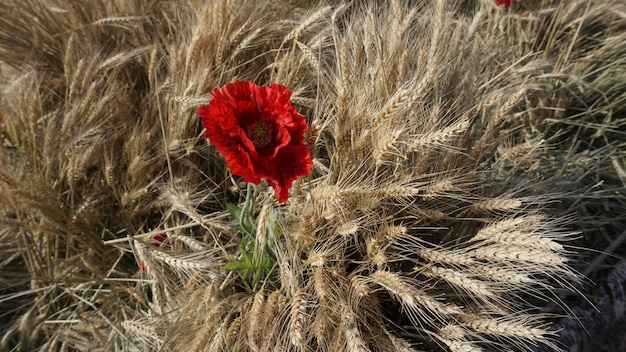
289	276
397	11
119	59
245	43
192	53
306	24
522	150
379	258
140	328
395	192
218	341
497	204
460	346
523	239
495	228
500	274
320	283
354	340
522	231
262	223
440	138
402	68
206	331
309	56
326	193
477	288
274	305
191	100
119	19
221	27
402	99
387	145
298	319
305	235
514	99
502	327
431	213
400	344
438	28
79	163
322	325
317	259
253	321
152	69
409	295
445	256
452	332
348	228
274	337
437	188
156	304
233	331
375	245
372	246
359	286
190	242
393	232
499	252
187	265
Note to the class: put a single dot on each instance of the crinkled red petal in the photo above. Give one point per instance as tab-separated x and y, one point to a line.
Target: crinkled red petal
237	106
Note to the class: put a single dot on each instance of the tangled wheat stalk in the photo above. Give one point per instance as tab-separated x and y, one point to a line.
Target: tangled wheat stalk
459	150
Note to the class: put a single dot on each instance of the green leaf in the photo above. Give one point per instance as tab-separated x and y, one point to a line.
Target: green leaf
234	265
246	256
251	269
234	211
244	242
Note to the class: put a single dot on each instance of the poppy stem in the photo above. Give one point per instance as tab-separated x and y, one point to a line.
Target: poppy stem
248	204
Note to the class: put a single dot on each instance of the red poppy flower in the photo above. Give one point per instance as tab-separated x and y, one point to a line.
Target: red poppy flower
161	240
504	2
259	132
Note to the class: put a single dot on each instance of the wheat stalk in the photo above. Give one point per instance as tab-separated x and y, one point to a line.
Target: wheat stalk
427	155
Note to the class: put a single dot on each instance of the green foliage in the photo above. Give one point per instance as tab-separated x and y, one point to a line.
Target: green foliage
251	269
257	259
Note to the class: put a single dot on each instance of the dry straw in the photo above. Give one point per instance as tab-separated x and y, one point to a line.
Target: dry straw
459	148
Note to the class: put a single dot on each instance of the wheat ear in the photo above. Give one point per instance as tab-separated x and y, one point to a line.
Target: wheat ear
409	295
354	340
298	318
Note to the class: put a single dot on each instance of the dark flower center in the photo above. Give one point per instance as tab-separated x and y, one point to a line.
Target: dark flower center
260	133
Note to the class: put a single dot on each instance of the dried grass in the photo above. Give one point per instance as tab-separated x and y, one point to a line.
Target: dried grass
463	155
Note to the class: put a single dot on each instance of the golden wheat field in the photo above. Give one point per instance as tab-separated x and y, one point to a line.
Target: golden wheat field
467	190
